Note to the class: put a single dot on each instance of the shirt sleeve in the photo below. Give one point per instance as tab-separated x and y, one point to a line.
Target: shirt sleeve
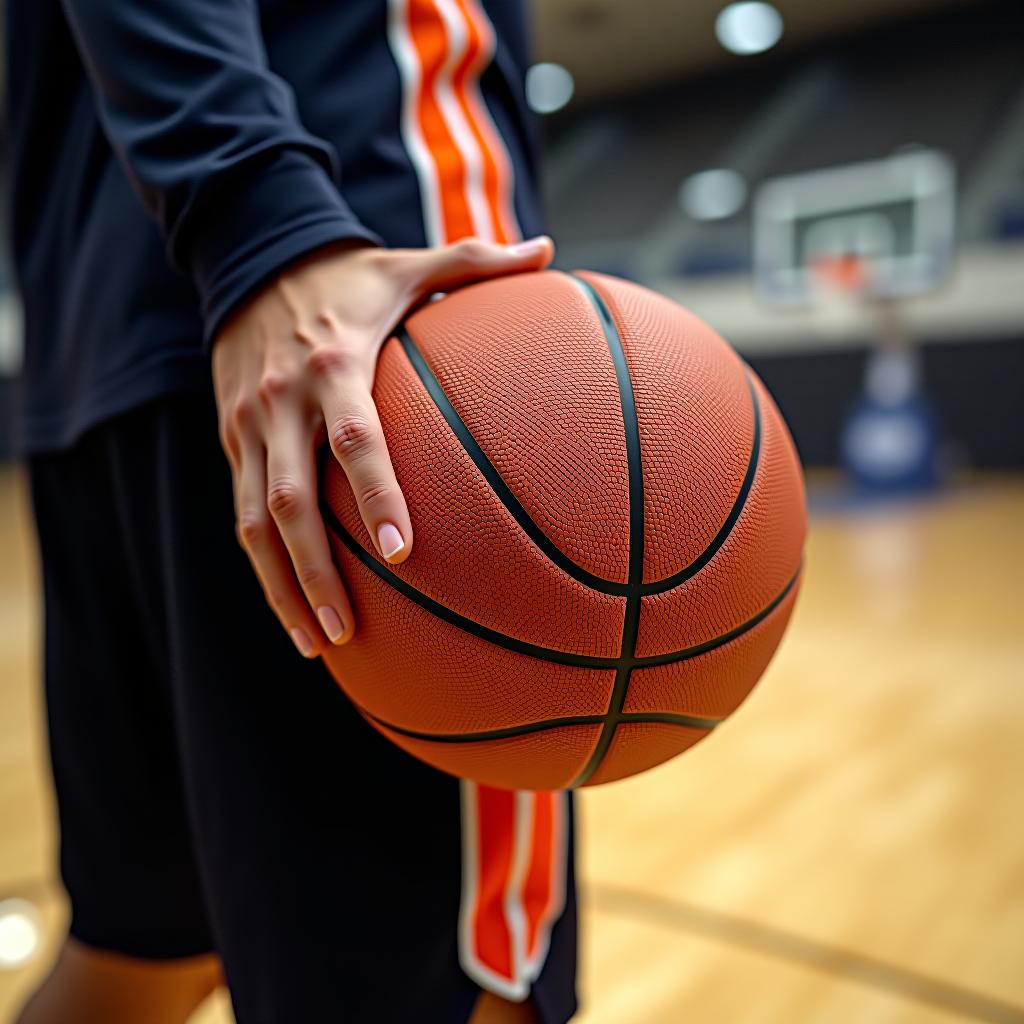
211	140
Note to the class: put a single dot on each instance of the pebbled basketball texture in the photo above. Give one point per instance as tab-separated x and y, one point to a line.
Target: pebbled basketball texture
609	520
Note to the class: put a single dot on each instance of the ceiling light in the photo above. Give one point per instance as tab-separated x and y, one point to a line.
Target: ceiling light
714	194
548	87
747	28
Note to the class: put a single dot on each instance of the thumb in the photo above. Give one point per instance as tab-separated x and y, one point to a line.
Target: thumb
473	259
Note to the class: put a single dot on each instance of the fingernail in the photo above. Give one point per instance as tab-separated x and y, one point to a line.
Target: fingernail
332	623
390	540
302	642
531	247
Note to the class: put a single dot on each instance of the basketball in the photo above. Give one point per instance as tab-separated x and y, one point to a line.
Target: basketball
609	520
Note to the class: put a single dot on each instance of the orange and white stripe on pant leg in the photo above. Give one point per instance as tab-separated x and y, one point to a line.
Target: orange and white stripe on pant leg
441	48
515	853
514	863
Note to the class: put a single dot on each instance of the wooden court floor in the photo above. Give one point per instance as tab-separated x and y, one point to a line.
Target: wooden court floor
849	848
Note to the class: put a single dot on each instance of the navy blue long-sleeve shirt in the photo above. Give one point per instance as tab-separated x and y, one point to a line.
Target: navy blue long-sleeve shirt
168	156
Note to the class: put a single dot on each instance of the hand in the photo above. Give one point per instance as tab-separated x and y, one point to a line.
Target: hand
295	365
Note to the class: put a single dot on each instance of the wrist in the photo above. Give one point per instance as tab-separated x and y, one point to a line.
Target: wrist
289	209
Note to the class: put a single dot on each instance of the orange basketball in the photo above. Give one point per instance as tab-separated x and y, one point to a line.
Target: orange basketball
609	518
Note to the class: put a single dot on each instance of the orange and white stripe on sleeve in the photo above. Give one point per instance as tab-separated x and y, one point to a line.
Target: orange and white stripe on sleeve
514	844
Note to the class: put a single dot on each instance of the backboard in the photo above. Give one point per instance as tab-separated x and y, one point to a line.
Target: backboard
897	215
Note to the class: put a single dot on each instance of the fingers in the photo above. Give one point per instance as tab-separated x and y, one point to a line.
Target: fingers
259	536
291	498
473	259
357	441
308	344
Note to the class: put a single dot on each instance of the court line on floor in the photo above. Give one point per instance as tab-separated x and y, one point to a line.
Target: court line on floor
819	956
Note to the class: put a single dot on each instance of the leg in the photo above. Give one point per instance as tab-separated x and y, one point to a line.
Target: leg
139	946
491	1009
90	986
332	859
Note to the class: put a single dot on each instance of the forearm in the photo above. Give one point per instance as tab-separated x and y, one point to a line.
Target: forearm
211	140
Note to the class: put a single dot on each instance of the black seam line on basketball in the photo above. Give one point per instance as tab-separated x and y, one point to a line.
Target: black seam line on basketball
635	574
490	473
512	643
534	532
512	731
691	570
671	658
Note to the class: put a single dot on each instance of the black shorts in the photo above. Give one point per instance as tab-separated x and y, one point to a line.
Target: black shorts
217	792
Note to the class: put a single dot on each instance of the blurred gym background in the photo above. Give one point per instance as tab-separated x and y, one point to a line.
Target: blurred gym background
838	188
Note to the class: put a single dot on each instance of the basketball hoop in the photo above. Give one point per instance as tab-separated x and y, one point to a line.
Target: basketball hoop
816	233
840	274
840	289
